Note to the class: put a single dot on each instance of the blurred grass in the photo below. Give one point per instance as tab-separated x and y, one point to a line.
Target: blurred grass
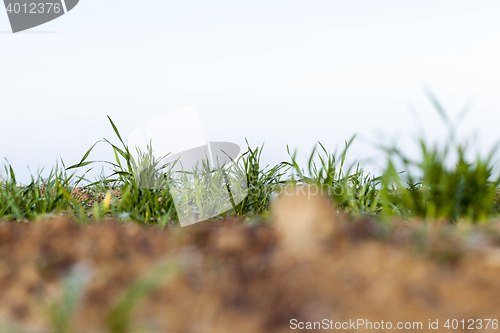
465	191
119	318
61	312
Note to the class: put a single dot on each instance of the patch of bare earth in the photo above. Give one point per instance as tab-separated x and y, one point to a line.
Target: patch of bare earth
308	265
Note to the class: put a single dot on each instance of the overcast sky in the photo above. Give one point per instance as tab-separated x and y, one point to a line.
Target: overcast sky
279	72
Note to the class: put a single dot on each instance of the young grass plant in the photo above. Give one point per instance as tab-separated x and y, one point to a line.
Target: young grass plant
353	191
467	190
436	190
41	197
262	182
138	201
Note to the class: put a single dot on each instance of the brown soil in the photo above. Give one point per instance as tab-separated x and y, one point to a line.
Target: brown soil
309	265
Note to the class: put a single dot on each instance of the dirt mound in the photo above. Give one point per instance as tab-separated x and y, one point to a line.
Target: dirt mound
231	277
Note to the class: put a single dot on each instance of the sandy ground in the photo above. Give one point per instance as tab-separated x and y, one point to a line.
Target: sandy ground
308	265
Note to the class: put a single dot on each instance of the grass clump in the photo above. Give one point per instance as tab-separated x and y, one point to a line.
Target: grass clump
464	191
42	196
136	201
262	182
352	188
444	183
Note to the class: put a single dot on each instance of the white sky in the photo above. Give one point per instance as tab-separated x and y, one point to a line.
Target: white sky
283	72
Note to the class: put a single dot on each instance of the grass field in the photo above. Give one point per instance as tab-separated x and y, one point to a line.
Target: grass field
418	242
441	184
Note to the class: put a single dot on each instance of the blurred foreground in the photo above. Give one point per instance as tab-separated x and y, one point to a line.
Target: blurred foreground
308	264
